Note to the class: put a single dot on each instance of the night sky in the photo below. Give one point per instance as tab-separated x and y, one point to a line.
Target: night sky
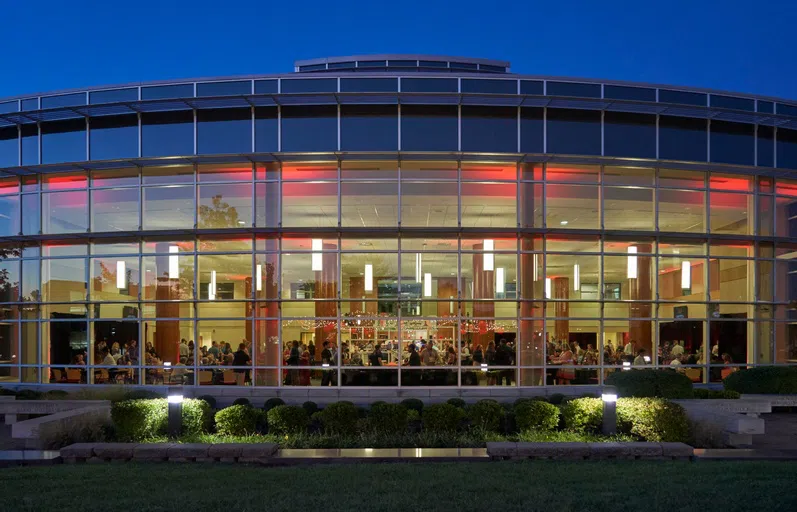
734	45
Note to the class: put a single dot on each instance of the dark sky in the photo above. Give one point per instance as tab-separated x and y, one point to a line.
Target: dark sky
736	45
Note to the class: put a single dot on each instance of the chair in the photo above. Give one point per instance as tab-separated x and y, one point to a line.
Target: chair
694	374
101	377
229	378
58	375
727	371
73	376
205	377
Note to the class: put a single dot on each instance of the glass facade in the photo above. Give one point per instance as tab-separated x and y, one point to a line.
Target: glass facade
427	242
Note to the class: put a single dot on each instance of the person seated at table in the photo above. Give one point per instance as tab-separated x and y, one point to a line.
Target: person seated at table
429	354
107	358
640	357
676	362
179	370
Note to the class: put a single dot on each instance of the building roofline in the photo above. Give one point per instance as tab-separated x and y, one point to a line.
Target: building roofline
402	56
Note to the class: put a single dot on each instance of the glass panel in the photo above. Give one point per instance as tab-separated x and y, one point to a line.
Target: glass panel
64	280
9	281
572	206
629	135
572	173
112	137
166	341
479	282
629	277
785	216
729	282
63	141
310	204
267	208
301	279
489	129
365	204
170	207
9	146
115	209
682	279
309	128
64	181
575	132
29	144
225	206
531	200
10	215
168	174
732	143
682	138
66	343
167	133
369	128
731	213
630	208
65	212
369	276
224	131
429	204
266	129
115	279
428	128
224	277
682	179
531	130
641	176
310	171
489	205
682	211
168	277
115	178
369	170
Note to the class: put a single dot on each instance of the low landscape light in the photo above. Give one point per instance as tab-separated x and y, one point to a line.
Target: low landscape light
609	399
175	421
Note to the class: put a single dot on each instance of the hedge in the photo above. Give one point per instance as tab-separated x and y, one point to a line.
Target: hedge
715	394
456	402
440	418
768	380
242	401
209	399
339	418
583	415
414	404
388	419
135	420
287	419
238	420
142	394
310	407
536	415
485	414
272	403
652	419
651	383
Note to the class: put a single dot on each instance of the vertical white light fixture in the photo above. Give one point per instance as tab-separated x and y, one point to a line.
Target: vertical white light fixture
499	280
686	275
317	261
259	277
121	275
547	287
489	259
534	270
576	277
369	277
418	266
451	305
427	284
212	286
174	266
632	262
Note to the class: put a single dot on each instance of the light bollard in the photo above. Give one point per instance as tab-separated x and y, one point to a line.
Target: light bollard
609	398
175	401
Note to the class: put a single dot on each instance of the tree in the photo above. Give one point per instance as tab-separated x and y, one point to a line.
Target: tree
219	215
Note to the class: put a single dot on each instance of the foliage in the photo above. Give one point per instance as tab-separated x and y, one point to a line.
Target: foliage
536	415
219	214
135	420
777	380
456	402
272	403
556	398
238	420
442	418
485	414
412	415
567	436
652	419
413	404
310	407
82	429
388	418
583	415
716	394
339	418
7	392
209	399
56	394
242	401
29	394
651	383
142	394
287	419
529	399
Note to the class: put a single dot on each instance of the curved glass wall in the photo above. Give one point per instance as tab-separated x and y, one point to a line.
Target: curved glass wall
388	273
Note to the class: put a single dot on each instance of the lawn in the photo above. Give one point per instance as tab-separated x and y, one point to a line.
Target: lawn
482	486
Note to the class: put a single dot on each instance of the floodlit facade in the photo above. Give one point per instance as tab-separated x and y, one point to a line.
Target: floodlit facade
405	220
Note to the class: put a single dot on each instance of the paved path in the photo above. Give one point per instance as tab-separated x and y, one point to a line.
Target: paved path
780	432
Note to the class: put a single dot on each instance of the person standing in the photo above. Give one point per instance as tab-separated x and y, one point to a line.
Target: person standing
326	361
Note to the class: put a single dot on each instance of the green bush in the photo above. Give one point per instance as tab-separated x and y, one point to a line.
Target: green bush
412	415
583	415
272	403
456	402
29	394
7	392
528	399
56	394
339	418
701	393
378	402
135	420
287	419
652	419
486	415
651	383
388	419
310	407
238	420
242	401
413	404
769	380
142	394
441	418
536	415
556	398
209	399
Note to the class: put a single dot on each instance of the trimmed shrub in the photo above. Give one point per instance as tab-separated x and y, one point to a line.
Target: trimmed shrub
456	402
378	402
310	407
440	418
242	401
536	415
556	398
238	420
777	380
413	404
135	420
142	394
651	383
583	415
390	419
29	394
272	403
701	393
56	394
339	418
287	419
412	415
7	392
209	399
528	399
652	419
486	415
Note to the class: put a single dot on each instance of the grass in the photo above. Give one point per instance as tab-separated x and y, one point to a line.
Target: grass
505	486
